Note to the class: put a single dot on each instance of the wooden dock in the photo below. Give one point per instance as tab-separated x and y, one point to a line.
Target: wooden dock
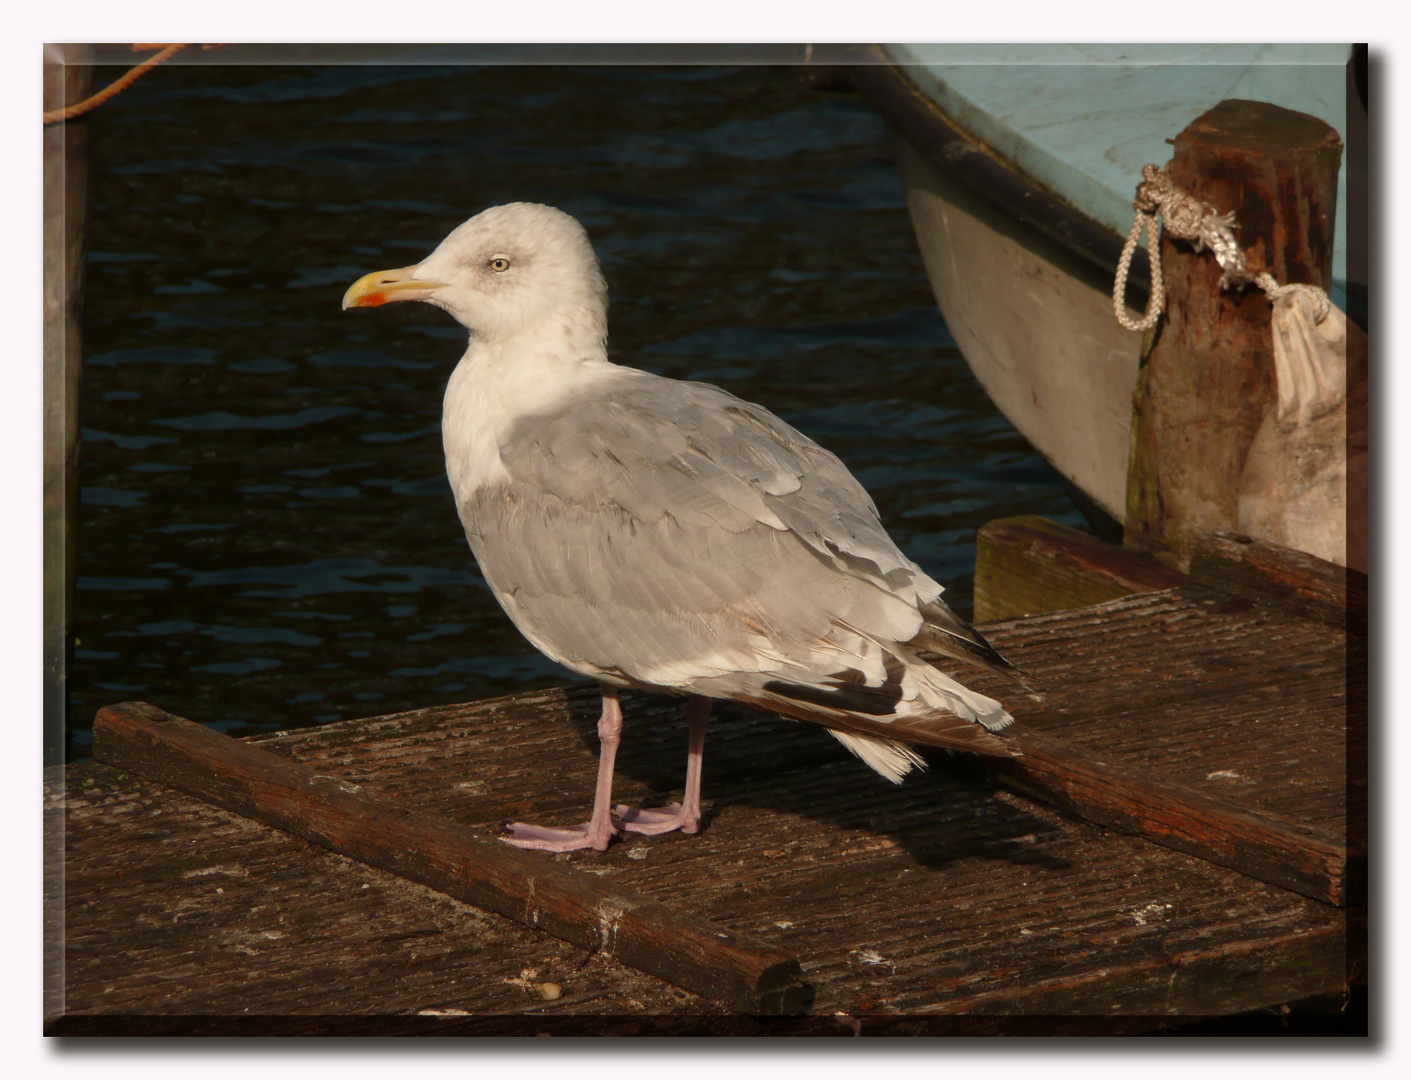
1184	837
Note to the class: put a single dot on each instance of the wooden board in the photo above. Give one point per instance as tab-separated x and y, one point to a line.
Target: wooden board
1312	861
940	901
748	975
185	918
1300	584
941	905
1215	694
1029	565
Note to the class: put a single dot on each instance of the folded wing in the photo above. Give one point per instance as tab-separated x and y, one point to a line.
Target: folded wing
669	535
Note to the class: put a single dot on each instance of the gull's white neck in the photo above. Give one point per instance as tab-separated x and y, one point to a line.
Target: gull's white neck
497	382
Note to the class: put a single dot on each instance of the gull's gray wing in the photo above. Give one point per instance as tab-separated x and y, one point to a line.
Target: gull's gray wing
670	534
677	503
702	455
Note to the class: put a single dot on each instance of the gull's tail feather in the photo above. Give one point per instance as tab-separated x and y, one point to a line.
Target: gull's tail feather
915	703
886	756
949	635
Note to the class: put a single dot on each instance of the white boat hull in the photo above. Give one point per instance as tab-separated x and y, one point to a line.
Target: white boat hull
1036	327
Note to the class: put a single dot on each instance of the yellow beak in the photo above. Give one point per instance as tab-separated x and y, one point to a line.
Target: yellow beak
386	286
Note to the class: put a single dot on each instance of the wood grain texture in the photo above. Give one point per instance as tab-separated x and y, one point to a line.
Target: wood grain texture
68	79
1305	859
182	914
1027	563
903	903
1184	702
690	952
1207	379
1303	585
1030	565
943	905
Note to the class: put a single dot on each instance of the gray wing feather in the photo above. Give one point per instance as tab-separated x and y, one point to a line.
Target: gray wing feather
667	602
671	528
703	456
670	535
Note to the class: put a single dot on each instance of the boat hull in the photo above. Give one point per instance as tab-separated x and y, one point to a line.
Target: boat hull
1019	163
1035	324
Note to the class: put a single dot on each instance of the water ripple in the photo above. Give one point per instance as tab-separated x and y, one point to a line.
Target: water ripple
322	576
228	421
157	354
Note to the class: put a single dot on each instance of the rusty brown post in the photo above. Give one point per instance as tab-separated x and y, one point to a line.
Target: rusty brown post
1207	376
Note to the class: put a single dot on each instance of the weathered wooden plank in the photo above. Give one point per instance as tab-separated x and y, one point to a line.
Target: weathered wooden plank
68	77
903	898
1296	961
1264	846
687	951
179	910
1201	688
1029	565
941	905
1198	701
858	882
1303	585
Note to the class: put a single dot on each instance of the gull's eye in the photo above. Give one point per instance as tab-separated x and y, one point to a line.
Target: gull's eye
499	264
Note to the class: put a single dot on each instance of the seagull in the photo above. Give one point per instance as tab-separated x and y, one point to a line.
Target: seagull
667	536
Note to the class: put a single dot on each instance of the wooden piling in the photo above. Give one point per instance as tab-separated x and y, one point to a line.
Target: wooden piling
1207	377
68	78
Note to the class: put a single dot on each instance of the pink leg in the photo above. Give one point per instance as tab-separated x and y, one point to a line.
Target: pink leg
599	831
685	815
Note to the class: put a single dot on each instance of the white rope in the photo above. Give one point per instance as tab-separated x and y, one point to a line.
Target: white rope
1187	218
1319	299
1119	287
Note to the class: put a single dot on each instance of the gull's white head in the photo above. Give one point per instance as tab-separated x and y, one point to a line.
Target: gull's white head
522	269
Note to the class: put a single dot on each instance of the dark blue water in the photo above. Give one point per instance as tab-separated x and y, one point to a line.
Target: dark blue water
267	538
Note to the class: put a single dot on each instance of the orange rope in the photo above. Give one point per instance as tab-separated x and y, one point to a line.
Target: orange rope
116	88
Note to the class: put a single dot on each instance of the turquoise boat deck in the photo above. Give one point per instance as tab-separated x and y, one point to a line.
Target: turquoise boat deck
1084	119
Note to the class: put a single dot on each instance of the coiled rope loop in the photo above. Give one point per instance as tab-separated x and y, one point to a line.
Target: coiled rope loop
1187	218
